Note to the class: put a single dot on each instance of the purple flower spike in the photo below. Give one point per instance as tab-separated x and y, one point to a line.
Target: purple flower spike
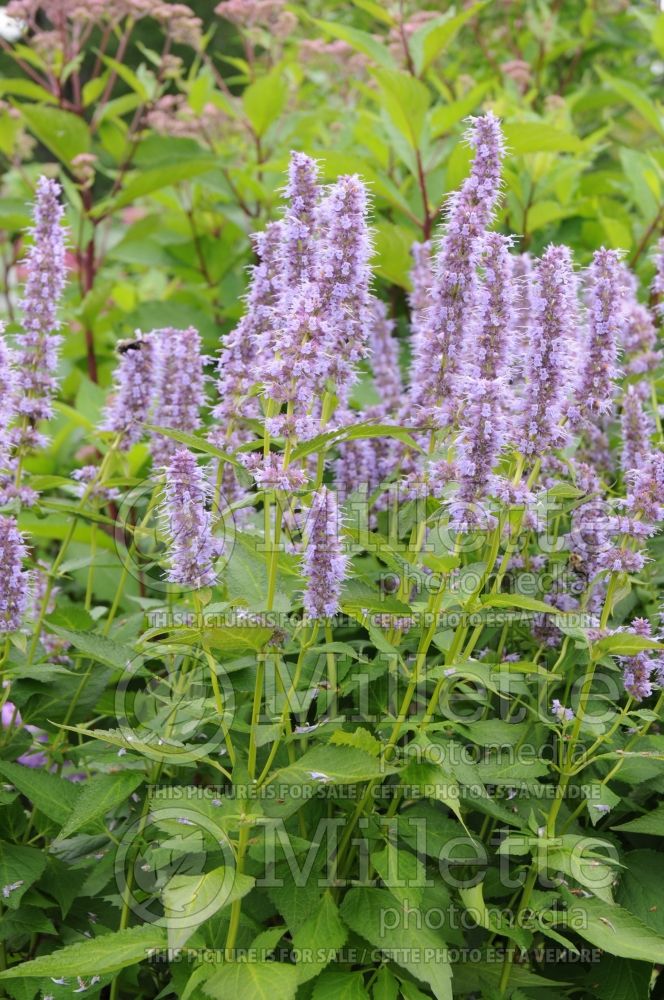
37	346
454	291
419	298
303	194
645	494
323	563
180	389
637	428
9	381
488	346
605	319
638	669
14	579
384	358
480	441
238	366
554	317
132	396
193	548
658	280
344	278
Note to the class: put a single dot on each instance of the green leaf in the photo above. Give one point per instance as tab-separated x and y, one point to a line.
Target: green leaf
196	442
429	41
385	986
51	795
264	100
517	601
402	873
340	986
190	900
537	137
651	823
364	909
97	647
253	981
362	739
20	867
98	956
637	97
324	929
442	119
624	644
98	797
406	101
613	929
64	134
361	41
149	181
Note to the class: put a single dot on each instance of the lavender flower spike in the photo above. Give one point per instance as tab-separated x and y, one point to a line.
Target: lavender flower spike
132	397
180	388
554	305
384	358
193	548
344	279
242	347
8	398
606	292
638	669
487	348
454	292
14	579
658	280
37	345
421	279
637	428
323	563
303	194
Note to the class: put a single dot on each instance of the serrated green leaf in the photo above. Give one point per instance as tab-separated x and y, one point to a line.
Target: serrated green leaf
53	796
98	796
98	956
253	981
323	930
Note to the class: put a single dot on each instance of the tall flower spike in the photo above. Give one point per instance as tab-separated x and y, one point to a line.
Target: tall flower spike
637	428
488	345
238	365
554	305
193	548
180	389
344	279
14	579
421	279
454	291
132	396
37	346
594	395
323	563
9	378
384	358
303	194
658	281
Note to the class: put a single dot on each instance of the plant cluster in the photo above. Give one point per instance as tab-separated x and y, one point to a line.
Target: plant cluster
332	660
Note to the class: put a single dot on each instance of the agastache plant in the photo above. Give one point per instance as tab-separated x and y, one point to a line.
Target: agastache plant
193	548
455	285
323	563
179	387
14	577
552	326
596	388
132	395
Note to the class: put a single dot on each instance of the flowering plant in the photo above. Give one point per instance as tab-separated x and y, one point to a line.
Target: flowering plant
332	660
